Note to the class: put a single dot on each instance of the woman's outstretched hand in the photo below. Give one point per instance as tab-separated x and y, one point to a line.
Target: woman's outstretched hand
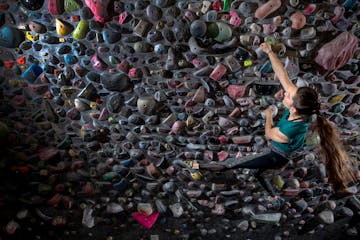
266	47
269	112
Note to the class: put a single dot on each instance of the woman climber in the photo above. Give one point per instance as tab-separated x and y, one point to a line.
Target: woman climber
289	134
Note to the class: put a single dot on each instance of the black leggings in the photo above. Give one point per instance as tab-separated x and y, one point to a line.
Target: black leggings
262	162
267	160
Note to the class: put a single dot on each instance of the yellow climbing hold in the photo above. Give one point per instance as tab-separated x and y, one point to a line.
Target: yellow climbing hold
337	98
247	63
93	105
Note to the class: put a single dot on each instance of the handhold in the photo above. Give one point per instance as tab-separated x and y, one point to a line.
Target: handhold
81	30
246	8
181	31
153	13
11	37
225	123
154	36
146	105
89	92
70	59
123	17
114	102
99	9
267	8
72	5
31	37
211	16
348	4
32	72
224	32
177	127
198	28
199	95
142	28
37	27
336	53
63	28
97	63
298	20
307	33
218	72
146	221
110	36
309	9
269	28
272	218
235	20
56	7
292	67
236	91
339	13
195	48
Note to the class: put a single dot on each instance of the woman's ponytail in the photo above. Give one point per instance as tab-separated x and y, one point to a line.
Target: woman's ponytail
337	161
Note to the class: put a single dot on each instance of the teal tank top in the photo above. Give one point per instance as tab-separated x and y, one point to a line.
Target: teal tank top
295	131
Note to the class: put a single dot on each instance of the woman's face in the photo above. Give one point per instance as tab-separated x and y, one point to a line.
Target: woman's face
288	99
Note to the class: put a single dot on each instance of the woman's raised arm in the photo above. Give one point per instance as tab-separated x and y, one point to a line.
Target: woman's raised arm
279	69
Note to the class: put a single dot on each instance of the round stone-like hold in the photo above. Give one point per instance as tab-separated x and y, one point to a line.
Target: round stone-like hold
114	103
225	32
154	36
298	20
146	105
110	36
213	30
198	28
154	13
159	49
37	27
32	4
181	31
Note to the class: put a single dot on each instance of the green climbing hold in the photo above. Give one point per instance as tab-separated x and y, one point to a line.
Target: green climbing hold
71	6
81	30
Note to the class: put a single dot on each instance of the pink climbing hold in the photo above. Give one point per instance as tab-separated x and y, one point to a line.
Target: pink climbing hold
146	221
99	9
236	91
336	53
267	8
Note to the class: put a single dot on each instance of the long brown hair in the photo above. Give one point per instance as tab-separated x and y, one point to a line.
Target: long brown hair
337	161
